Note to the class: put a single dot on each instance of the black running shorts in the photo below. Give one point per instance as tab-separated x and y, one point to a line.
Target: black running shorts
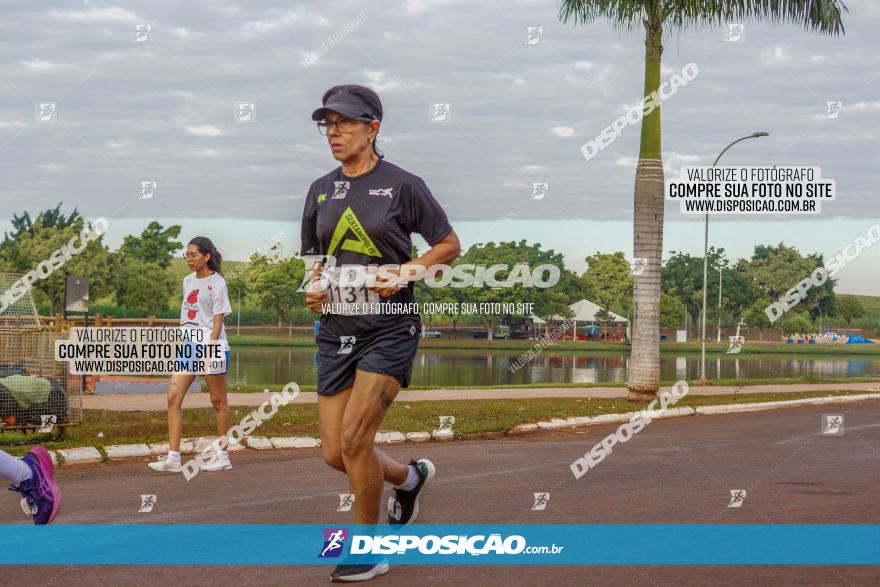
389	350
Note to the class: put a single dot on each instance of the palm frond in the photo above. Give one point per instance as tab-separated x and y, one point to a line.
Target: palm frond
621	14
823	16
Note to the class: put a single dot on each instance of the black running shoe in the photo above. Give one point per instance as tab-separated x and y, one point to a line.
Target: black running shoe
363	572
403	506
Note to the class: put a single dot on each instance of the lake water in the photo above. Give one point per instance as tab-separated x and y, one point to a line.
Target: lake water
450	367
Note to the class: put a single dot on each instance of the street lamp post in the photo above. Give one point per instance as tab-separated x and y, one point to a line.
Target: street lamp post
720	283
754	135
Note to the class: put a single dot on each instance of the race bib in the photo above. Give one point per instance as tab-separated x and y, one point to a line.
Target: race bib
347	292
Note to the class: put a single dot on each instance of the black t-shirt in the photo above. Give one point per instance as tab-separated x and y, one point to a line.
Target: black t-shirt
368	220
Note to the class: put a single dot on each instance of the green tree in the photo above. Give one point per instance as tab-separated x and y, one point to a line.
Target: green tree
775	270
276	286
849	308
155	245
608	281
603	320
547	301
796	323
11	256
655	16
755	316
38	240
671	311
144	287
682	278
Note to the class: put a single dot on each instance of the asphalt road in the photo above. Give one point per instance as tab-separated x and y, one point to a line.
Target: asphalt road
676	471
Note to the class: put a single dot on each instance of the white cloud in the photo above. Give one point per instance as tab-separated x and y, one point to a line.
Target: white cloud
775	55
285	20
204	130
182	94
532	168
41	65
207	153
873	106
672	162
112	14
376	80
583	65
563	131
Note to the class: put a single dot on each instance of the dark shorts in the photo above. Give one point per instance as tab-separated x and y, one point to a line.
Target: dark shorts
389	350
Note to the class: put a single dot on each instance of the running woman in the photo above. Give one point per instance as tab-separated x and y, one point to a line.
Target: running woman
363	213
205	304
33	476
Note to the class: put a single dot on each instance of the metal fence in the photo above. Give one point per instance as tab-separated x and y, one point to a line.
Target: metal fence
36	391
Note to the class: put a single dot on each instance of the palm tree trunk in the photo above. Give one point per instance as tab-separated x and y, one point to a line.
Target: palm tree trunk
644	371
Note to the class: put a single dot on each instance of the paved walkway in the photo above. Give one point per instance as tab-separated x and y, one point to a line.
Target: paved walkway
138	402
676	471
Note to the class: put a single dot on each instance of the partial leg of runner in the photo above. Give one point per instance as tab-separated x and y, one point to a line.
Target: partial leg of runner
217	390
331	409
33	476
180	383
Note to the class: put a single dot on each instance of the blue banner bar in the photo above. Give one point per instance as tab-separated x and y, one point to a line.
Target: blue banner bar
476	544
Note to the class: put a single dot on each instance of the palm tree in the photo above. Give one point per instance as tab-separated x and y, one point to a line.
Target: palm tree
823	16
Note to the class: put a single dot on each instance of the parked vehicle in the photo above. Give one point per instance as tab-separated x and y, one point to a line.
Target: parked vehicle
480	333
433	334
502	332
520	326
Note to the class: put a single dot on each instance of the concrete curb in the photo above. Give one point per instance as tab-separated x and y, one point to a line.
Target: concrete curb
89	454
793	403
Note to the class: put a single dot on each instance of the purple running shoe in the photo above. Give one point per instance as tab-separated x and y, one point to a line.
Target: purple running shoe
42	498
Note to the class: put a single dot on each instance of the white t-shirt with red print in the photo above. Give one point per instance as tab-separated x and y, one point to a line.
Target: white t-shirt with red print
203	298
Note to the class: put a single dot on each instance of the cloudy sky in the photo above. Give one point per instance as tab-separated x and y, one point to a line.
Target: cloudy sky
162	109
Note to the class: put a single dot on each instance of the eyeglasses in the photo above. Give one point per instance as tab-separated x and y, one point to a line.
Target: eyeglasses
191	255
343	125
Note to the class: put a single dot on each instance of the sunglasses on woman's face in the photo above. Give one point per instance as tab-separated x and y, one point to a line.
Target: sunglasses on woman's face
191	255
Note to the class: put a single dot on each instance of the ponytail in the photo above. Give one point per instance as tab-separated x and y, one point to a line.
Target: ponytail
206	247
375	144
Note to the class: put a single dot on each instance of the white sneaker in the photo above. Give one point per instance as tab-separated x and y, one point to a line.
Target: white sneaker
166	465
218	463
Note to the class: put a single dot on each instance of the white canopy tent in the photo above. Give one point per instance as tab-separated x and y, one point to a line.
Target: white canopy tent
585	312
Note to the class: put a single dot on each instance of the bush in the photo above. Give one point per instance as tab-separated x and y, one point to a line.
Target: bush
797	323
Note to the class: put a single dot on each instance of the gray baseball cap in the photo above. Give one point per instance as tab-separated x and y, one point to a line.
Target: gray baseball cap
350	101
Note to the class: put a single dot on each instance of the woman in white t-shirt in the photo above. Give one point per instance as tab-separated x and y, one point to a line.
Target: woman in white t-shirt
205	304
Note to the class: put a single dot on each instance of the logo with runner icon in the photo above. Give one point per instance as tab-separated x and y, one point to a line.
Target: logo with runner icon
346	500
346	344
382	192
340	189
541	500
334	542
737	497
832	424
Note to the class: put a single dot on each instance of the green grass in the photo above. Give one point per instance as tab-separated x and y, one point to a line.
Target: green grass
258	388
472	418
300	340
